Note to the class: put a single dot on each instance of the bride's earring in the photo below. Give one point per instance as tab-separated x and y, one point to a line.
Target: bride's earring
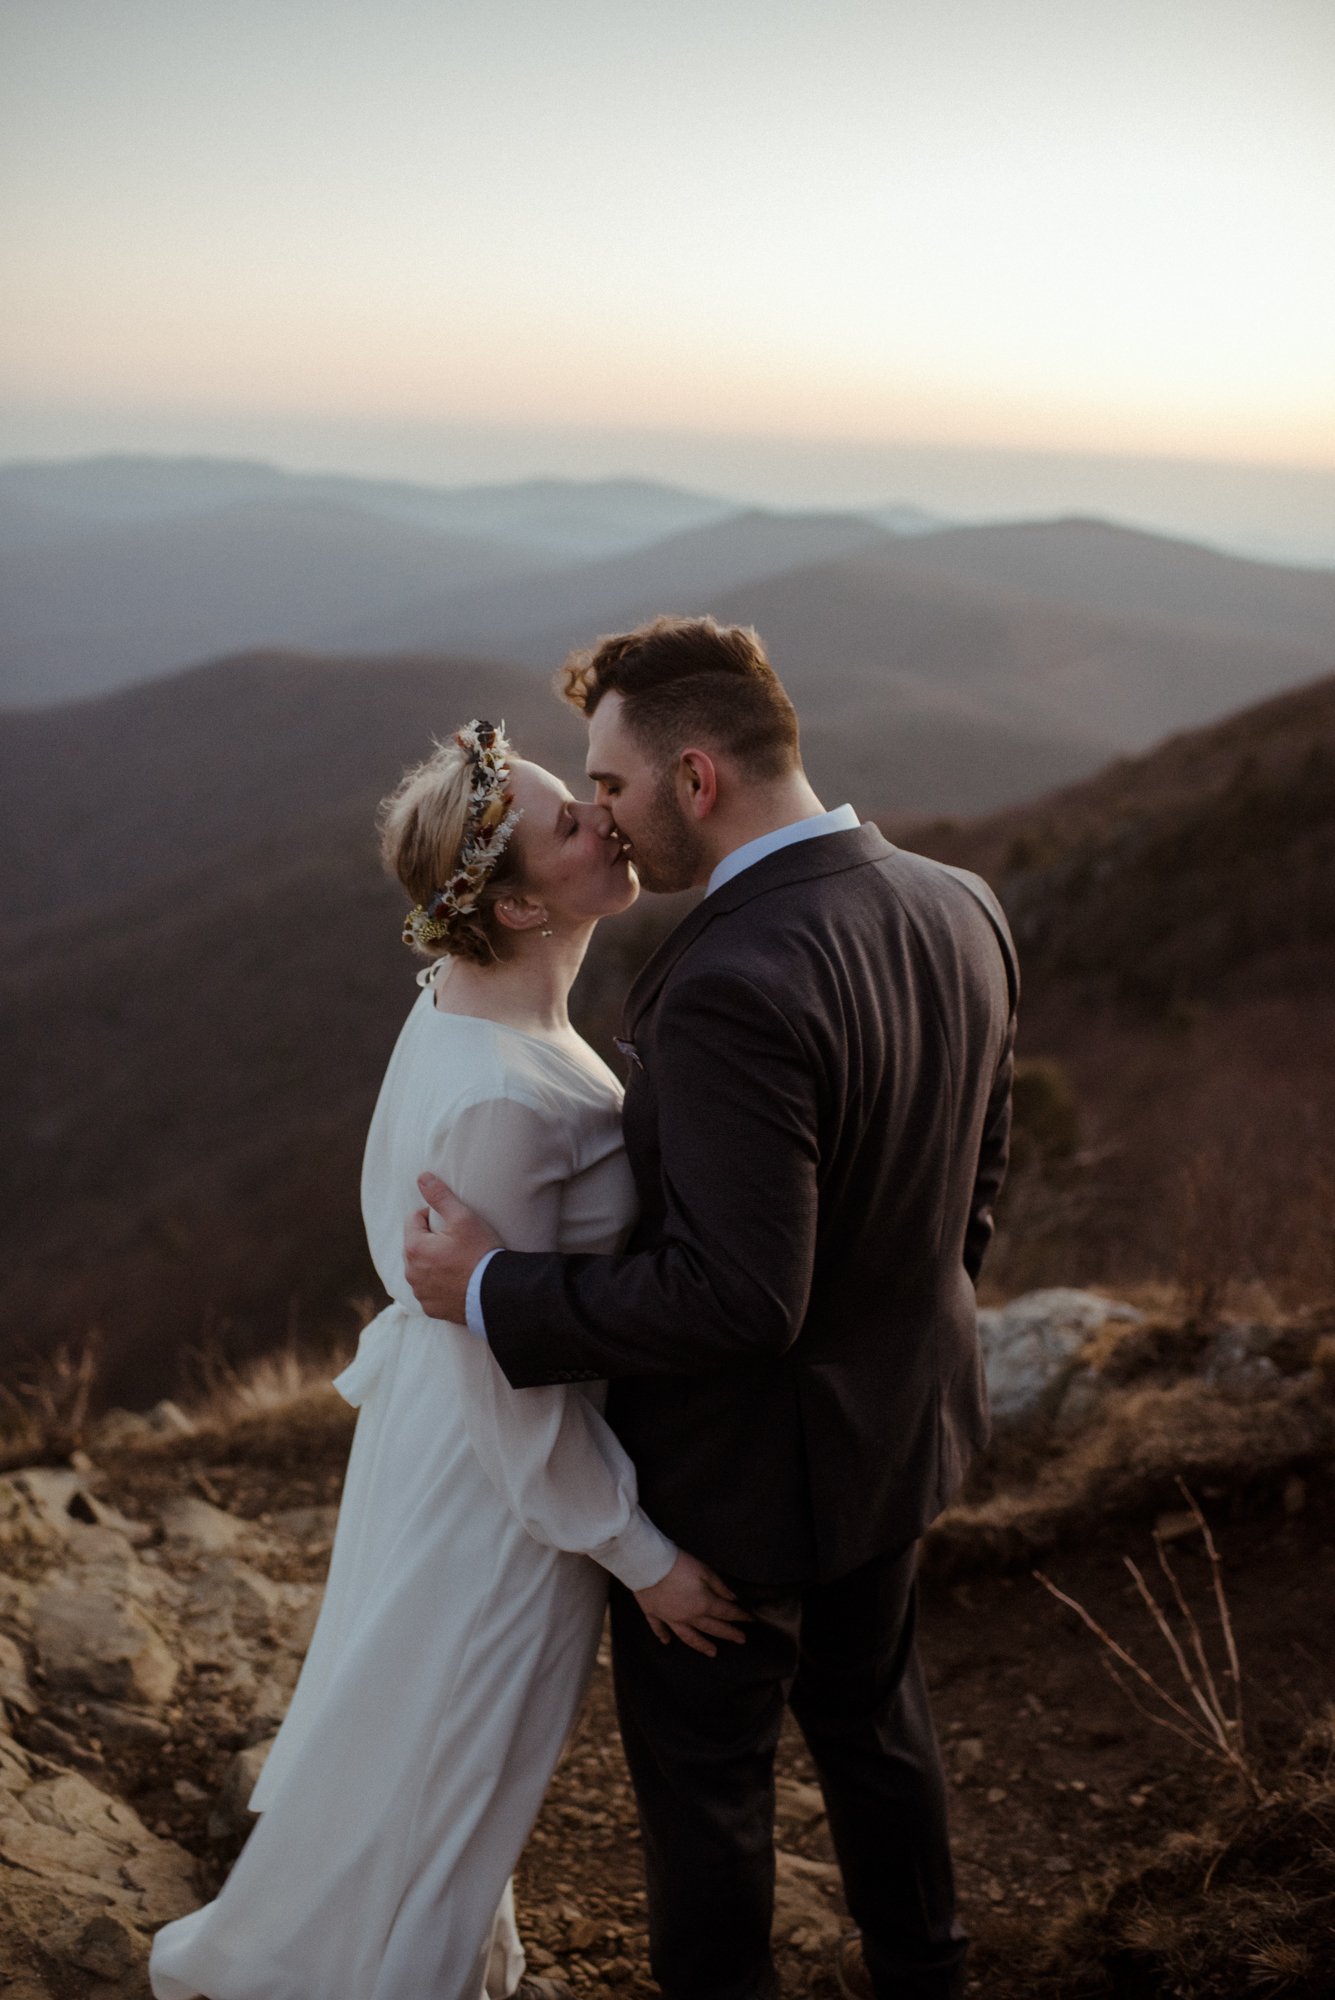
546	931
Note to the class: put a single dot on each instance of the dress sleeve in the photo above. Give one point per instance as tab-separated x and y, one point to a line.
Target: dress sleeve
548	1451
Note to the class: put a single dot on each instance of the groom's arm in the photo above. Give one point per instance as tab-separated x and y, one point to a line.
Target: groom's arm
993	1154
738	1118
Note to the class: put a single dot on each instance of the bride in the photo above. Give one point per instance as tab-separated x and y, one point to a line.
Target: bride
479	1523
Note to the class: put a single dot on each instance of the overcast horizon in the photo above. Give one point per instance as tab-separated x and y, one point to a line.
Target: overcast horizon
1276	514
990	260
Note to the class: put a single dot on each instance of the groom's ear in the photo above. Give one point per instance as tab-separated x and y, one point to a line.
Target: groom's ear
697	783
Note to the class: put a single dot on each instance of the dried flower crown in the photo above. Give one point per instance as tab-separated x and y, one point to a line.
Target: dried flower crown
489	821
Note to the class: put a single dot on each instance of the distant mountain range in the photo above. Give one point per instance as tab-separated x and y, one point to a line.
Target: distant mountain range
114	571
1071	638
41	501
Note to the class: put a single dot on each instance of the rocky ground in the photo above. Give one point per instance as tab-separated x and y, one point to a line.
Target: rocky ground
157	1590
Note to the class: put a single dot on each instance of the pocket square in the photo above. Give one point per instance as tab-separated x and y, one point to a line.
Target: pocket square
629	1051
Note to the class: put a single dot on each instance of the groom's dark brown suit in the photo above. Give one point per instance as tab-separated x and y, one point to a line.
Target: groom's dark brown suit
817	1116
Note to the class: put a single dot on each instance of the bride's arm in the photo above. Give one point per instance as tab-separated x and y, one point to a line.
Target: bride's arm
548	1451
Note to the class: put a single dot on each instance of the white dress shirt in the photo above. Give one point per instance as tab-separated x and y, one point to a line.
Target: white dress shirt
843	819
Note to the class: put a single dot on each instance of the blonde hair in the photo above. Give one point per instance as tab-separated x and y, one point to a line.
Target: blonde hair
422	826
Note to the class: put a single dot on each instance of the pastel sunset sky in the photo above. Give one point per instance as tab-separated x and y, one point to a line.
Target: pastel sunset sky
830	251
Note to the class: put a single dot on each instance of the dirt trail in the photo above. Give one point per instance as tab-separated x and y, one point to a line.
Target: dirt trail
1056	1782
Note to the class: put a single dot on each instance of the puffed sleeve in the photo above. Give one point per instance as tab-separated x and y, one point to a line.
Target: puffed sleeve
548	1451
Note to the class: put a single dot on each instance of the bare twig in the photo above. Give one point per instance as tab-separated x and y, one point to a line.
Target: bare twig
1121	1653
1151	1603
1206	1724
1221	1603
1189	1620
1191	1736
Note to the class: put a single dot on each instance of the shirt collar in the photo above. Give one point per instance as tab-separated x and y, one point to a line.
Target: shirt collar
842	820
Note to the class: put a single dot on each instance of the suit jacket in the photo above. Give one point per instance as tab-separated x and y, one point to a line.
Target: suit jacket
817	1118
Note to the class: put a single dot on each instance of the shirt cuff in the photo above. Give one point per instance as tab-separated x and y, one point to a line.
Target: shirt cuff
473	1303
640	1555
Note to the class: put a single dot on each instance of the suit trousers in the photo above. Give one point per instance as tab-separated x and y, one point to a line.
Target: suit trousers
700	1737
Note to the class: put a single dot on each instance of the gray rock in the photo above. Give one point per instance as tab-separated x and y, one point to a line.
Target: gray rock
126	1428
301	1610
313	1527
106	1945
191	1523
16	1694
99	1641
231	1814
17	1598
48	1733
1032	1347
1085	1393
15	1765
271	1694
124	1727
23	1522
53	1507
73	1855
806	1917
1237	1358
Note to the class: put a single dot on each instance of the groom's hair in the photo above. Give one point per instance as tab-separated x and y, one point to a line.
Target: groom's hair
692	680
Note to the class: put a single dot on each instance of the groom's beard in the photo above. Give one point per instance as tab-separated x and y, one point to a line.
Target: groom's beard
667	849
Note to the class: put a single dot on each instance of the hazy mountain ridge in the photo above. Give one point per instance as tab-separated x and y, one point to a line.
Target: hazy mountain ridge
1093	636
550	517
130	602
539	621
1104	681
1098	565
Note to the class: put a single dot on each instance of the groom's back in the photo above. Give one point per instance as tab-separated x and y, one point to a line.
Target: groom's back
896	979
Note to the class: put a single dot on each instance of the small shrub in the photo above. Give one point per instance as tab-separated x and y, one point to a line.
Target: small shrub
1044	1111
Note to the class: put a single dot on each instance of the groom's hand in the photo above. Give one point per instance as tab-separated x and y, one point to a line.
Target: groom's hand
439	1261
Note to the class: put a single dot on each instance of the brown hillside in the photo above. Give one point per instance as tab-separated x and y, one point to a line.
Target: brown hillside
107	797
1176	920
1208	862
194	1061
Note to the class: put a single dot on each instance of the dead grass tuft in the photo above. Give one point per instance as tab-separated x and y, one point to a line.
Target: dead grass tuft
1247	1907
1129	1462
44	1416
266	1387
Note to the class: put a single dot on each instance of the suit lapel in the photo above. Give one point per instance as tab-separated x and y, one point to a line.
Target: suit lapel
802	861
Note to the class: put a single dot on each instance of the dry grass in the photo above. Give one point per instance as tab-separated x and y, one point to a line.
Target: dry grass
1245	1906
253	1406
44	1416
1129	1461
269	1386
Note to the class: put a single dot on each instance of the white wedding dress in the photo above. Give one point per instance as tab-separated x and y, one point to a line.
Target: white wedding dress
462	1611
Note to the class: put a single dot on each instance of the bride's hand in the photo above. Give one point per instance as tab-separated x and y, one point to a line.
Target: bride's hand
695	1604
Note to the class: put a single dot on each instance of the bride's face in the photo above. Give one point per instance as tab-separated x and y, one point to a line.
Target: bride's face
574	866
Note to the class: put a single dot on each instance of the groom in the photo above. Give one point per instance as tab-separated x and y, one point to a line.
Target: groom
817	1113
